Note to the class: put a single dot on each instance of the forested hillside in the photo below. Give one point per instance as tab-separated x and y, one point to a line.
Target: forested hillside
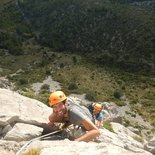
74	42
13	28
113	33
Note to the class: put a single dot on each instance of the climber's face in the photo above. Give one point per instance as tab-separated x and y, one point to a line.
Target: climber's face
59	109
96	111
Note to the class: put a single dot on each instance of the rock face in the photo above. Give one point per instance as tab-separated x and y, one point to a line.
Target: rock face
4	83
107	144
17	108
22	118
150	146
18	134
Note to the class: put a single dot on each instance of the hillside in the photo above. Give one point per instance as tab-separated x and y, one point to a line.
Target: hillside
111	33
25	58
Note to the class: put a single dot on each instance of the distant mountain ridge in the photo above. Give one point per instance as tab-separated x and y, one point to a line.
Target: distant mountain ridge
148	5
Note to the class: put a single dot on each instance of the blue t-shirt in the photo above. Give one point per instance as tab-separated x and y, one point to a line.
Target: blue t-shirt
99	116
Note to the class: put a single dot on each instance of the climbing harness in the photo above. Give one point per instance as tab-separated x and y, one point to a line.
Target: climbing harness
38	138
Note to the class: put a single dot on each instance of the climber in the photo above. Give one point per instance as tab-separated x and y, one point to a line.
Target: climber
66	111
100	111
97	112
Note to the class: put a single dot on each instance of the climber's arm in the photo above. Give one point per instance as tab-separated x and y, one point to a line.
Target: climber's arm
92	131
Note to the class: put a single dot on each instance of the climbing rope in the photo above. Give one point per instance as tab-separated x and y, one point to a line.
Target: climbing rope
38	138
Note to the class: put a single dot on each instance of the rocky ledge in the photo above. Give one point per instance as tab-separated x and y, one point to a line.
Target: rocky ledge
22	119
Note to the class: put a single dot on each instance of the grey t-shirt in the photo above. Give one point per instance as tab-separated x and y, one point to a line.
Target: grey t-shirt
77	113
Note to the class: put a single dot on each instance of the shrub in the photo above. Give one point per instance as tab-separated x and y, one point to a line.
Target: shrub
23	81
120	103
118	94
29	94
74	59
45	88
153	130
62	65
91	96
47	72
33	151
126	122
72	86
44	98
134	102
108	126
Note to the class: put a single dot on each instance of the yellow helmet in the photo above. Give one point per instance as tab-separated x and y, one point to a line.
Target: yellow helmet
98	107
56	97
